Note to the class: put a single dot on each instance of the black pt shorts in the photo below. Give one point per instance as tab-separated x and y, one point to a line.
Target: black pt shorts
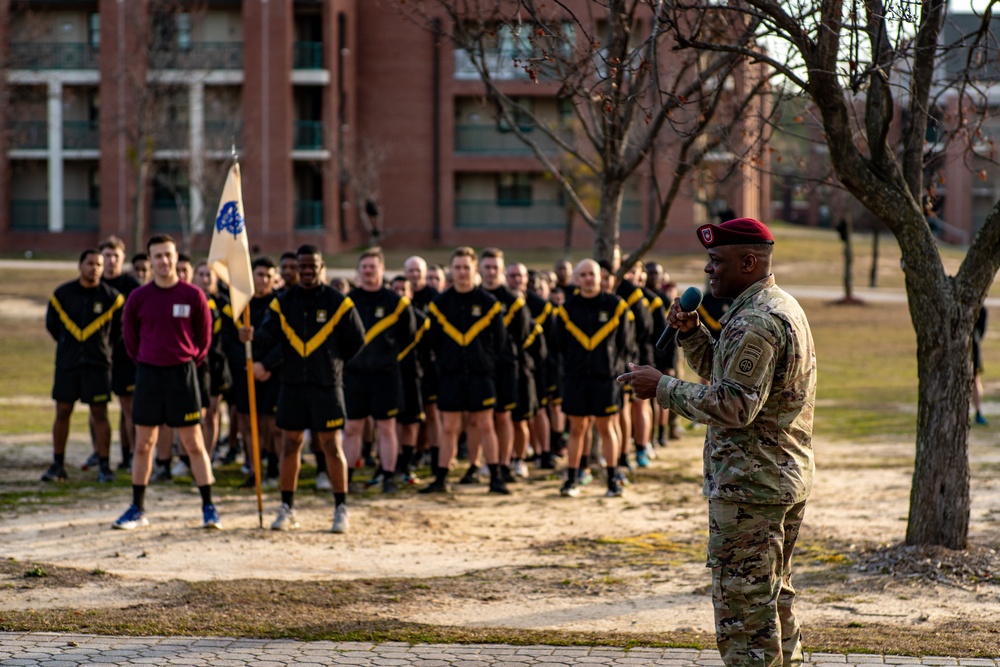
168	395
310	407
588	396
87	384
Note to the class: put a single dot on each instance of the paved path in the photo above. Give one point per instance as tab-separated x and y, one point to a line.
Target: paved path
64	650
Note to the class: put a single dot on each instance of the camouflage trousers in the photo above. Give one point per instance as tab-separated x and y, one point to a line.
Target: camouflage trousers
750	552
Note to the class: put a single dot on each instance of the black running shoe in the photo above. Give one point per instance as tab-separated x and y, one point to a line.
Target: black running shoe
435	487
55	473
471	476
389	484
506	475
91	462
499	487
105	475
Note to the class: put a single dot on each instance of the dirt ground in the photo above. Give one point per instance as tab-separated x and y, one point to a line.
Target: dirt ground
532	560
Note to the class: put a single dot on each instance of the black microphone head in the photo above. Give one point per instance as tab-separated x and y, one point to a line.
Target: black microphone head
691	299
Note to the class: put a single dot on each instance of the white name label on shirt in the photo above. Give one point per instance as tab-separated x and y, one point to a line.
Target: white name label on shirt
182	310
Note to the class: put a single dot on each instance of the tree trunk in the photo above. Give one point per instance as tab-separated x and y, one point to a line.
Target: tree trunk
608	220
873	275
939	497
140	208
848	260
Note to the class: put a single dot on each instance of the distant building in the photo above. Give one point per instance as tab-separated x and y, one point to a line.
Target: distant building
119	110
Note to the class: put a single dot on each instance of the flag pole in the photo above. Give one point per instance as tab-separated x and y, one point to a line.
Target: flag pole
252	395
254	438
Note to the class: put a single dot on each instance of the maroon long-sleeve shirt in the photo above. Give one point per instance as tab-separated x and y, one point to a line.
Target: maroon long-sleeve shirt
167	326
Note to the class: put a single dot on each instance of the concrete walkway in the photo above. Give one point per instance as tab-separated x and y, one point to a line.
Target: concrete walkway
63	650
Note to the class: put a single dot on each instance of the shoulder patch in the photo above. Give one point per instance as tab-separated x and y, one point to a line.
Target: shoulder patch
751	360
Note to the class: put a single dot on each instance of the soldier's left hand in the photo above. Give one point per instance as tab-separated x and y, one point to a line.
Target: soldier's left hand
643	380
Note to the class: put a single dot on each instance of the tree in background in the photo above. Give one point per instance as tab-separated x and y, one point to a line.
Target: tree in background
636	108
869	69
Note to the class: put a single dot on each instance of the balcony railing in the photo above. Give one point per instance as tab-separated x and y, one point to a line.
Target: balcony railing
308	135
27	134
490	139
53	55
499	63
81	134
29	215
221	134
32	215
307	55
523	216
165	216
199	55
81	215
308	214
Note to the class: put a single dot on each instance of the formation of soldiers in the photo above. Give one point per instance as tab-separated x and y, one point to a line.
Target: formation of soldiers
482	358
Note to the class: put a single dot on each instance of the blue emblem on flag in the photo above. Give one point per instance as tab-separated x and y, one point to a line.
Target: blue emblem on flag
229	219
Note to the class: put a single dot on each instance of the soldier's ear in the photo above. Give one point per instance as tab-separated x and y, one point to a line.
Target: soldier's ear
749	263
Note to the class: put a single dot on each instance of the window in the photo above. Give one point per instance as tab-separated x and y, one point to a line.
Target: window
514	189
94	30
184	31
521	110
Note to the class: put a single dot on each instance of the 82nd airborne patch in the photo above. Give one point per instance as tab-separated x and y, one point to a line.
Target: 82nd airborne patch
751	360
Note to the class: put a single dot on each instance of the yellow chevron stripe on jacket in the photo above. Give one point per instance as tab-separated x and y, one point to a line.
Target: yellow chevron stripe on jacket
314	343
634	297
83	334
217	324
514	307
591	342
474	330
386	321
423	328
535	332
656	303
708	320
542	316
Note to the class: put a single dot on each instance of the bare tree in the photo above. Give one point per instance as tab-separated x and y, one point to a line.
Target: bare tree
644	111
871	70
363	178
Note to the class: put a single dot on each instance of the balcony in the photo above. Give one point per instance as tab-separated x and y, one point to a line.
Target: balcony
308	135
29	215
53	55
81	135
489	139
307	55
165	217
199	55
81	215
528	216
500	64
29	134
32	215
308	214
488	214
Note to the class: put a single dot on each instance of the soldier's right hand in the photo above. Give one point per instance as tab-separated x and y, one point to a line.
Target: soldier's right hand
246	334
681	320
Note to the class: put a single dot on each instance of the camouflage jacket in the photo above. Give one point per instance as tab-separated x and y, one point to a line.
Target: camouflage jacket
759	405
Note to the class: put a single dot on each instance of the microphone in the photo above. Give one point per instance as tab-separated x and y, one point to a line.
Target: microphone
690	301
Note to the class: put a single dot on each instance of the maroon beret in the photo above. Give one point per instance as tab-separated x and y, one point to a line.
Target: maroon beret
741	231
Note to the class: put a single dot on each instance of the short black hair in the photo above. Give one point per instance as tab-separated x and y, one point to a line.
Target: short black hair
265	262
87	253
183	257
288	254
397	278
307	249
139	257
605	266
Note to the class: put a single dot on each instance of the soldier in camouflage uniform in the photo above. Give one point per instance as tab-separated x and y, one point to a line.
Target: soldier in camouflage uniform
758	449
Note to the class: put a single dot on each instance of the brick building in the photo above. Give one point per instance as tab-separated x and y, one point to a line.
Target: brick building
115	111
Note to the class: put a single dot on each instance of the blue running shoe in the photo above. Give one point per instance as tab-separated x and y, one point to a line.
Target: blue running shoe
642	458
210	517
132	519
